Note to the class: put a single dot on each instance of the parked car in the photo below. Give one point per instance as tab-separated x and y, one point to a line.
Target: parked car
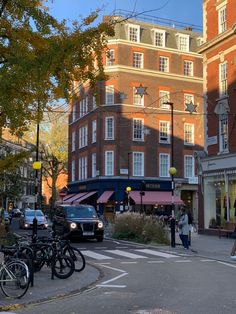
26	219
78	221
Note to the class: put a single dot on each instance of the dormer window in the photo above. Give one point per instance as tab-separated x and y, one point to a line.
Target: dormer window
134	33
159	37
182	42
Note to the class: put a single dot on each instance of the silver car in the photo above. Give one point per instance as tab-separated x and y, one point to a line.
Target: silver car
26	219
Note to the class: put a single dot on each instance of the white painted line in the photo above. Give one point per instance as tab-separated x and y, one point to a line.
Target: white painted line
115	278
125	254
111	286
207	260
97	256
100	247
128	262
116	269
156	253
122	247
230	265
156	262
184	261
97	264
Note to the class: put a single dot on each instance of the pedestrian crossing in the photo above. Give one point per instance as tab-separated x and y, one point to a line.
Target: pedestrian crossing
131	254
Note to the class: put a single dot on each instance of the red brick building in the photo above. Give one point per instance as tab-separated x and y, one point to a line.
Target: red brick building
119	138
218	169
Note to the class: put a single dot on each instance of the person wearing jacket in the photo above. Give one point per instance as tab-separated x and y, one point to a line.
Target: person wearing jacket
184	228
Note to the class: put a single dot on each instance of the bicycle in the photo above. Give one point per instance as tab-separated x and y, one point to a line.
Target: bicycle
14	277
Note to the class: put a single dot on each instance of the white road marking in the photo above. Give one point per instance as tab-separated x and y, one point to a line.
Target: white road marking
207	260
111	286
156	262
230	265
184	261
128	262
115	278
126	254
112	268
100	247
122	247
156	253
97	256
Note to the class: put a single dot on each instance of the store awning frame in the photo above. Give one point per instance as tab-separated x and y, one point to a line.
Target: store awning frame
68	196
155	198
104	197
75	197
87	195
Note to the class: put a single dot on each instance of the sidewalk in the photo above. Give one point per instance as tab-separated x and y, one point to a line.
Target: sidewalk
44	288
207	246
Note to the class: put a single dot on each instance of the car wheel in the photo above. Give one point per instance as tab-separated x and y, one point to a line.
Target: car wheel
99	239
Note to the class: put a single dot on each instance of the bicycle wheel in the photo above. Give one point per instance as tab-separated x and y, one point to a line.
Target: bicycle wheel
14	279
63	266
77	257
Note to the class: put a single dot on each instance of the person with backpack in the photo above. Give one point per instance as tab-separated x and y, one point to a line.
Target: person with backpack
184	228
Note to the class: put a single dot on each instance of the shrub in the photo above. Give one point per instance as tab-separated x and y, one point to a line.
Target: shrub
139	228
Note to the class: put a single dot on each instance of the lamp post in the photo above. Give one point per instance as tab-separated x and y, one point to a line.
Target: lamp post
36	167
129	153
128	189
142	193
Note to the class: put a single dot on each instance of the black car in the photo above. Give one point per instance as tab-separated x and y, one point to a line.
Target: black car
78	221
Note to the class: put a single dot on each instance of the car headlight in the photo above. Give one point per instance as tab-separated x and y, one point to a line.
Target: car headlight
73	225
100	225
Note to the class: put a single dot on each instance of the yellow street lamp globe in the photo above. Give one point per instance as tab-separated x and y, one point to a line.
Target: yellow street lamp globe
128	189
172	171
37	165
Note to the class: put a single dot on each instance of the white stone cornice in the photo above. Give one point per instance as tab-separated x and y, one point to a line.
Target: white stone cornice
148	46
147	72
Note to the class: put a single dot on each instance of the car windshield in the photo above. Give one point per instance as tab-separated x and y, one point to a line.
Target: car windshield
30	213
80	212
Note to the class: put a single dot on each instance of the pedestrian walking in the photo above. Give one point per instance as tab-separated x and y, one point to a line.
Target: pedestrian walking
184	228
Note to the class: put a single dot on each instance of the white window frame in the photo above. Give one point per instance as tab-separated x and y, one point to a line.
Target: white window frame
109	95
159	37
164	165
73	113
164	96
109	128
222	19
109	163
94	131
188	98
223	133
223	78
183	42
94	165
189	166
73	141
188	67
83	168
163	64
188	134
138	60
73	170
83	136
138	164
138	129
138	100
110	57
164	132
94	102
132	29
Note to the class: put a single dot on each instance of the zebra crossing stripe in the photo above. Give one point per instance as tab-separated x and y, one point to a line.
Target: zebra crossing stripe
97	256
156	253
125	254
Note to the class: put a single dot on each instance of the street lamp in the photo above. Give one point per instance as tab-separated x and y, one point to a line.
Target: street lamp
172	172
142	193
128	190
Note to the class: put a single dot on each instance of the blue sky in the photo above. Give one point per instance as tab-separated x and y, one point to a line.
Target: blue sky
187	11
